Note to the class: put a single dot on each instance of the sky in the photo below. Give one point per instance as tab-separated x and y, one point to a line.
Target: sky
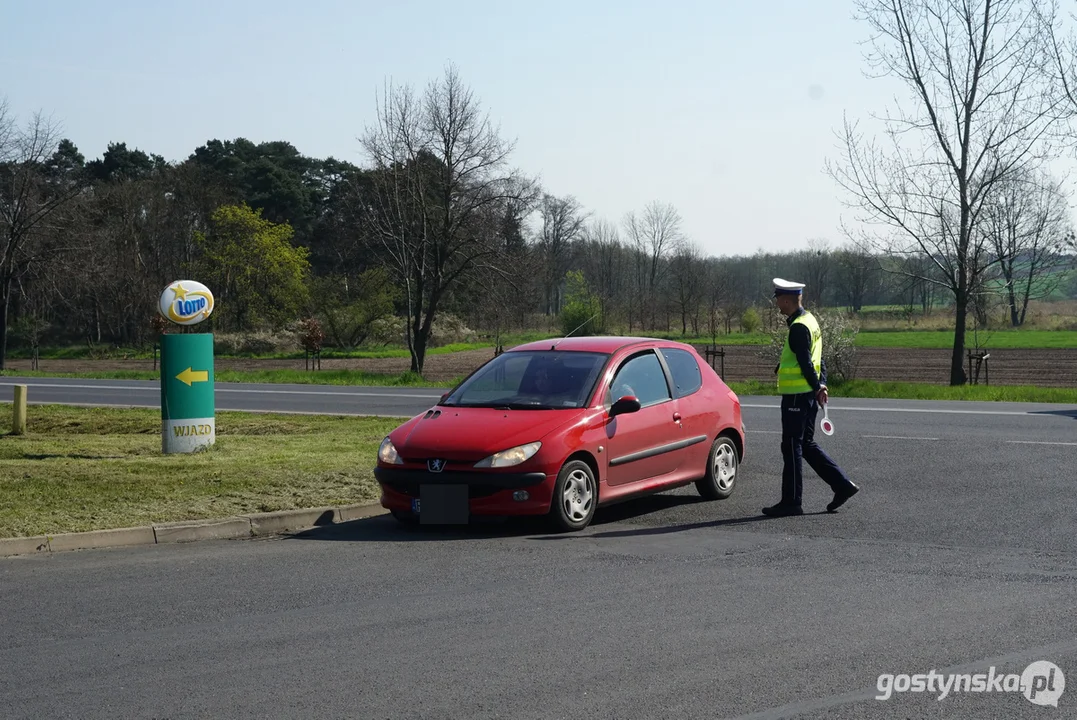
727	110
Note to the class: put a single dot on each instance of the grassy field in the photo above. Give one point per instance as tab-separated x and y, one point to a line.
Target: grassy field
886	335
83	469
944	339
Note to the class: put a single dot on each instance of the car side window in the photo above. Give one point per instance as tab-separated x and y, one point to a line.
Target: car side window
687	377
643	377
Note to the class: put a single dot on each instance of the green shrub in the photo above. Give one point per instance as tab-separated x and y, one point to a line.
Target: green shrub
749	321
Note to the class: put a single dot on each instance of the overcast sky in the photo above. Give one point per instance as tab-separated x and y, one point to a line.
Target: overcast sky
727	109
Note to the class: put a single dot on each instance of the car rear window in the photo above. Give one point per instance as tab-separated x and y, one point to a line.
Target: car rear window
687	377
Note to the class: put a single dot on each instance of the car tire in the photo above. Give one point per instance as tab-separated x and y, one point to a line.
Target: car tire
575	497
721	473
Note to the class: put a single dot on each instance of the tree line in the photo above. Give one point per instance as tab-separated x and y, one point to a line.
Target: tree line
439	222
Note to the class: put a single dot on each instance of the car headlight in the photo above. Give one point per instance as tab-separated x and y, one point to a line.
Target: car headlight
387	453
510	457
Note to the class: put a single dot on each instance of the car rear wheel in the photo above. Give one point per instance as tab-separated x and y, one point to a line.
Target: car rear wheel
575	496
722	466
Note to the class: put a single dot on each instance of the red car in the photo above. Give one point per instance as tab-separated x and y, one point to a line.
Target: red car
561	427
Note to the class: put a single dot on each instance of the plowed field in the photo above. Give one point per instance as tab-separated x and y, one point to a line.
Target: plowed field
1044	367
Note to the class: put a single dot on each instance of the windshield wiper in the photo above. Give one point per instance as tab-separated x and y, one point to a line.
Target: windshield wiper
506	406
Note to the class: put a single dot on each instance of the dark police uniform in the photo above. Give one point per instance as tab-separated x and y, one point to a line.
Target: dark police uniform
799	384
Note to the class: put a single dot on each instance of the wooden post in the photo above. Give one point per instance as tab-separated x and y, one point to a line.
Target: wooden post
18	425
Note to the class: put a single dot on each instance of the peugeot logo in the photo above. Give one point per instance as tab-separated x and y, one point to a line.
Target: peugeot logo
435	466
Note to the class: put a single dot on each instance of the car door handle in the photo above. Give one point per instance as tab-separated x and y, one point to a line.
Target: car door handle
676	417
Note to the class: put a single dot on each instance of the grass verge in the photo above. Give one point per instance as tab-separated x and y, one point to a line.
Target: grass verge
81	469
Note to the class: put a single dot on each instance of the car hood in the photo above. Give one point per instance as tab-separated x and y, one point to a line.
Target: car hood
471	434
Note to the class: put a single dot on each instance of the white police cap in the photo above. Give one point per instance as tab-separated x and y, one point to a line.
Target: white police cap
786	287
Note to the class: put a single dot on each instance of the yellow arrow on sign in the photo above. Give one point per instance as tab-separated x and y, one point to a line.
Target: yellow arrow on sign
192	376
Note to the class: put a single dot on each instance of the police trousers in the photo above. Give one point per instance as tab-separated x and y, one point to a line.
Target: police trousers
799	415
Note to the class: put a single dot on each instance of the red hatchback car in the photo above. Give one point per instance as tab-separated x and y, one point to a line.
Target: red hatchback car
561	427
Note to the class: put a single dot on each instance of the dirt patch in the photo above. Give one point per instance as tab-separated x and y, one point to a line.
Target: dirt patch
1044	367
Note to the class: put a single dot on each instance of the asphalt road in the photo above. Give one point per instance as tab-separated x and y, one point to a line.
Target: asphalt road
959	555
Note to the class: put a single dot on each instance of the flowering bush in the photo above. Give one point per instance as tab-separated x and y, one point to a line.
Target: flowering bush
311	335
839	344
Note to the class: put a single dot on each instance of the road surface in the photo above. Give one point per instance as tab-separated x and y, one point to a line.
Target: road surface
958	556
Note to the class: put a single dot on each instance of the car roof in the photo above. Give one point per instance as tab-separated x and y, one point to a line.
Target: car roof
601	343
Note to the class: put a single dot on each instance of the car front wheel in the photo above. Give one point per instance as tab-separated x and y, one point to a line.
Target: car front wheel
721	474
575	496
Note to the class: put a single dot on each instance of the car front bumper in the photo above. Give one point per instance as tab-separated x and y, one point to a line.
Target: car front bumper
493	493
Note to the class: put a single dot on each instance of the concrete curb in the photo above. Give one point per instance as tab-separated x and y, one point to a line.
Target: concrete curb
269	523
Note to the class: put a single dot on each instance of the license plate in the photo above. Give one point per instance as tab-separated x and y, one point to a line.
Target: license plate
415	505
444	504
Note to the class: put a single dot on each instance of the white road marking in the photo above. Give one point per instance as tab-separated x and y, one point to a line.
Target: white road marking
1039	442
919	410
897	437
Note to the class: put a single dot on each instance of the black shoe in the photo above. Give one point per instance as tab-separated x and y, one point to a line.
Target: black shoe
841	496
783	510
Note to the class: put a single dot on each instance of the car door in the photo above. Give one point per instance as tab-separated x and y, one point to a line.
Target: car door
700	414
647	443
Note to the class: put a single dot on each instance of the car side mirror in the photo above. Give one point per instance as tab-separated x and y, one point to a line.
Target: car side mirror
627	404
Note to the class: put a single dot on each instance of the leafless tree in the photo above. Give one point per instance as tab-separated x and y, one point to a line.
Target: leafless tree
654	236
687	281
29	202
857	272
816	262
604	261
562	222
983	111
1028	225
439	165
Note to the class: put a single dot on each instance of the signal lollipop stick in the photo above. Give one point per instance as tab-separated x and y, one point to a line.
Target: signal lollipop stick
826	425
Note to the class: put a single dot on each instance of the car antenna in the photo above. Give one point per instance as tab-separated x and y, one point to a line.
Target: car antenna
554	346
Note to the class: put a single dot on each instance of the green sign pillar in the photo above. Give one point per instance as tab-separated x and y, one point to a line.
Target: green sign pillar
187	408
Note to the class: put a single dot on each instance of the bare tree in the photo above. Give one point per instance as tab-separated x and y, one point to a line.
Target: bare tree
439	165
816	262
857	273
562	222
654	236
604	260
29	200
983	111
688	277
1027	225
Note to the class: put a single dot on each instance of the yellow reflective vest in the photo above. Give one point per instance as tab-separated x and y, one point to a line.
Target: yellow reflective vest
790	379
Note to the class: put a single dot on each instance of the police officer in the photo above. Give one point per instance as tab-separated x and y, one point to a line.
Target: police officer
802	385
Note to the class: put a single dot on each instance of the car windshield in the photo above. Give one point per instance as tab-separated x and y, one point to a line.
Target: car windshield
527	380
